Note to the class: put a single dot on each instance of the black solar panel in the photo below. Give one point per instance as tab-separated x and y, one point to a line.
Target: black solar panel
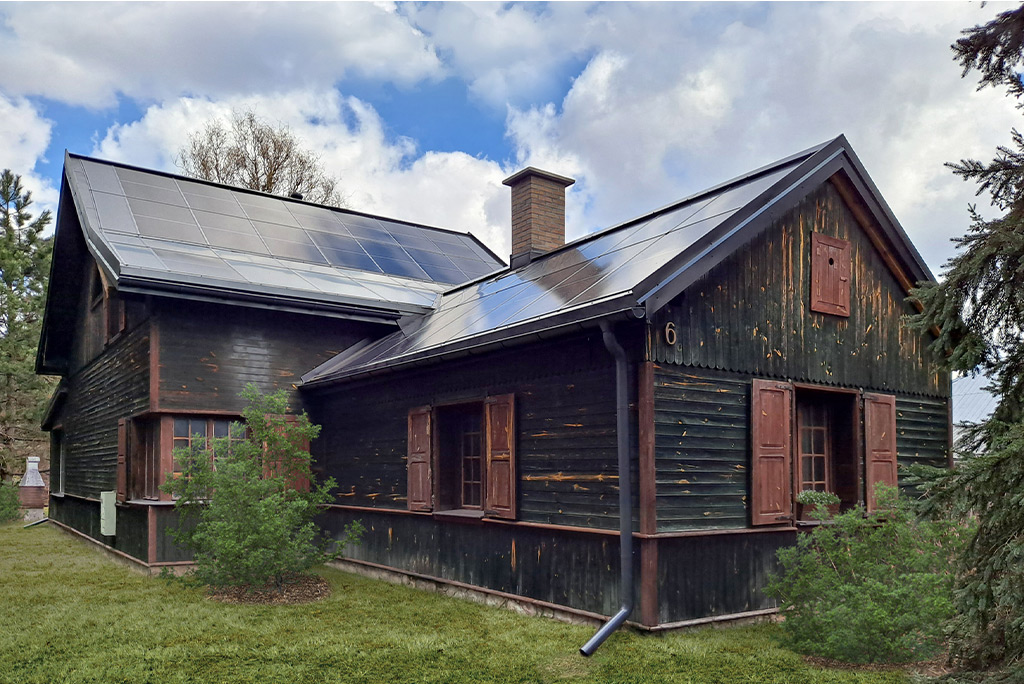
256	241
594	269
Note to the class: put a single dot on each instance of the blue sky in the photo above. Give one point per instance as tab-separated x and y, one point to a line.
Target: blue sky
422	109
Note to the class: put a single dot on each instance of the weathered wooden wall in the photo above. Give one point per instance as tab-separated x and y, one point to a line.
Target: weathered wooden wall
112	386
702	444
701	448
209	352
565	421
568	568
717	574
751	313
84	516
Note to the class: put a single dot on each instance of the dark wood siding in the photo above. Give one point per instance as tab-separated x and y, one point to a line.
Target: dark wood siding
84	516
568	568
702	445
702	448
716	575
208	352
922	432
751	313
114	385
565	416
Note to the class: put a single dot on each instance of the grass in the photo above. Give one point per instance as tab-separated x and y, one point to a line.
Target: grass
68	613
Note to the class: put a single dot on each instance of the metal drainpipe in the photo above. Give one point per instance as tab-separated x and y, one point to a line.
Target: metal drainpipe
625	495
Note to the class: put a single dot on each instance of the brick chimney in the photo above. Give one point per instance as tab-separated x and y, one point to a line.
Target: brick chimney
538	213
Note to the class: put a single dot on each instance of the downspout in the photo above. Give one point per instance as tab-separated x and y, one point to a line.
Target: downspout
625	494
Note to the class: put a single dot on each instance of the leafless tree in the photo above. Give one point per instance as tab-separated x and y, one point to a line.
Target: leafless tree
252	153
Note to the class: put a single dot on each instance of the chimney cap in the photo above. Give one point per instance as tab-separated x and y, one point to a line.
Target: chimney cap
534	171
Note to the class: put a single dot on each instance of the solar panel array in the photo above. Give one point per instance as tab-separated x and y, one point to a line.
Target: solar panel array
595	269
183	230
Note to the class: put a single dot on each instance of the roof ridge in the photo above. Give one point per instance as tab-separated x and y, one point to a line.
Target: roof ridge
792	159
284	198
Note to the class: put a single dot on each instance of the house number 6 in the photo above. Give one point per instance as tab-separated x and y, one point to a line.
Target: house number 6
670	334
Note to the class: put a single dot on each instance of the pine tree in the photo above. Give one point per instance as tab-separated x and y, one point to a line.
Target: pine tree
979	308
24	268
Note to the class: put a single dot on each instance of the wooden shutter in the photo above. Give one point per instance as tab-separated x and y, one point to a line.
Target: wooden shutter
272	468
122	459
771	406
879	443
419	468
831	264
499	414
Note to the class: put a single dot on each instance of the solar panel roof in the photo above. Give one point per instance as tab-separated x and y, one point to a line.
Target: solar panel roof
628	266
598	268
151	229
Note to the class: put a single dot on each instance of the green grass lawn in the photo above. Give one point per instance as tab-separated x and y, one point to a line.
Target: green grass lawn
68	613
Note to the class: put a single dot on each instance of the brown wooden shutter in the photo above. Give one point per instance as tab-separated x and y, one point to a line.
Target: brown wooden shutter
420	490
122	459
879	443
771	407
831	265
273	468
499	415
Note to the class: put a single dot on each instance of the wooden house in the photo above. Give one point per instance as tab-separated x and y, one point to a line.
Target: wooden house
705	362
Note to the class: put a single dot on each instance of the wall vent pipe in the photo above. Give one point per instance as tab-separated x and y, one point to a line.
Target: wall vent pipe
625	494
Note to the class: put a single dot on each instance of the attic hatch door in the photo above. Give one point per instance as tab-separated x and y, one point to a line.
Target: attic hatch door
831	264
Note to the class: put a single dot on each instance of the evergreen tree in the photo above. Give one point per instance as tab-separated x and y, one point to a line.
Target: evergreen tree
979	308
24	268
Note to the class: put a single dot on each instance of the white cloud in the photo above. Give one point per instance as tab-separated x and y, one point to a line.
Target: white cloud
388	177
88	53
699	97
26	135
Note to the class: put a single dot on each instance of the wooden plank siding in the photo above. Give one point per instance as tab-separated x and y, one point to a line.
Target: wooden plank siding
702	445
113	385
751	313
702	448
922	432
558	566
208	352
565	415
83	515
716	575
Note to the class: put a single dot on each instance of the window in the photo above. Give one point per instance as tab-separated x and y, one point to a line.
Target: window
190	431
462	458
830	275
146	449
57	461
823	449
143	473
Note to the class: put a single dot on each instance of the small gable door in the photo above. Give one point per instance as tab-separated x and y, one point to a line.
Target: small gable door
771	478
879	443
419	473
501	456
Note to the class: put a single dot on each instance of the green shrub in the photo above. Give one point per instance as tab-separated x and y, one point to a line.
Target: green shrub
9	504
868	588
239	511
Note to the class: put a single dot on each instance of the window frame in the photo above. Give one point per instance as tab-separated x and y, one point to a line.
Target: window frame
788	449
155	434
58	446
431	476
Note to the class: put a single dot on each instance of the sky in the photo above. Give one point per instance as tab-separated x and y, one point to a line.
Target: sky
423	109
